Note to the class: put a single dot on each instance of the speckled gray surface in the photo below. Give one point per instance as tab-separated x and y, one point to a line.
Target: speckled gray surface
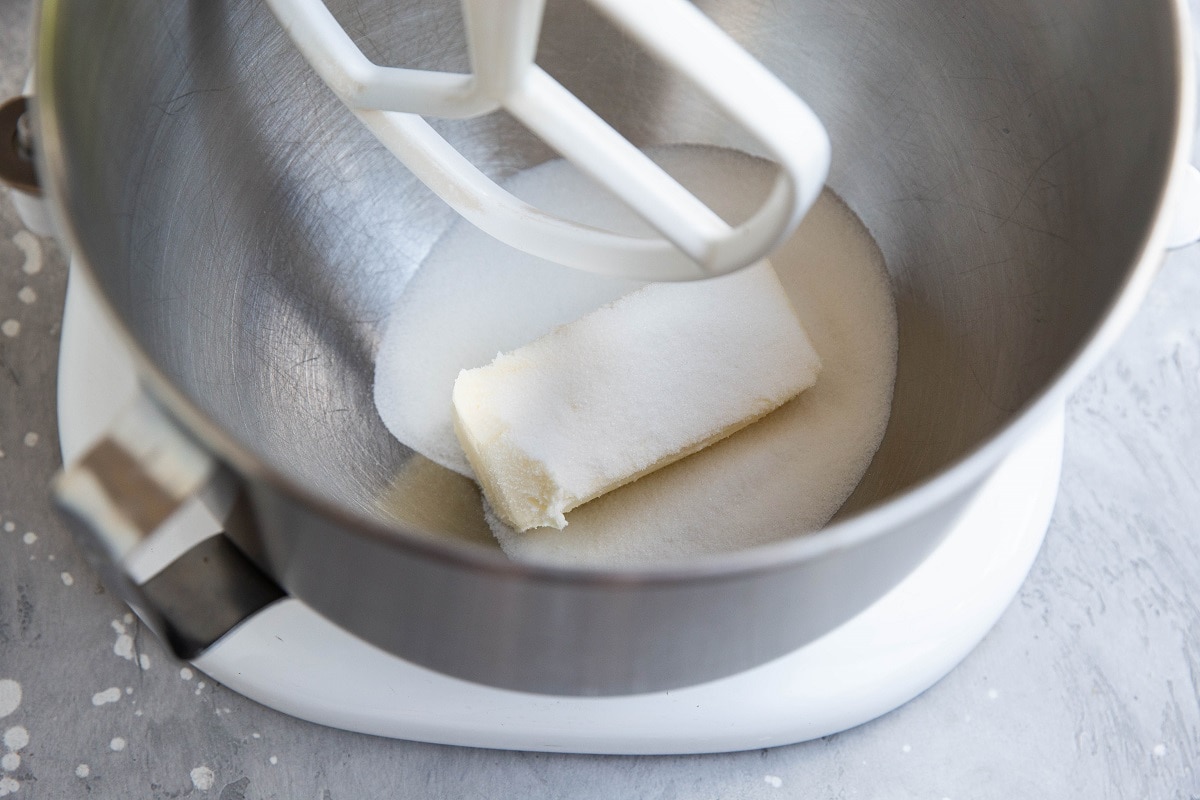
1088	686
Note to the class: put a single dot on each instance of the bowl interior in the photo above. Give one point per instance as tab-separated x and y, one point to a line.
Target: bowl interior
1007	156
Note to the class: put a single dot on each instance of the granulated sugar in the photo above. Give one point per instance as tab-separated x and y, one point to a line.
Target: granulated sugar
782	476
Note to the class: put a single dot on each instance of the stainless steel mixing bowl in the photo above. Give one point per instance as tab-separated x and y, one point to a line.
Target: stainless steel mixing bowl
1012	158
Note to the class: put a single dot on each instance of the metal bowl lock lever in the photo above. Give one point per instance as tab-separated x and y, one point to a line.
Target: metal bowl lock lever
138	503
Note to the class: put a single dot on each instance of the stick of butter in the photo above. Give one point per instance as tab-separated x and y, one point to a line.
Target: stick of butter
631	387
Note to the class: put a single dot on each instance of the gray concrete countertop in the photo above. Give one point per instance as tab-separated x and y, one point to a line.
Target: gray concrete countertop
1088	686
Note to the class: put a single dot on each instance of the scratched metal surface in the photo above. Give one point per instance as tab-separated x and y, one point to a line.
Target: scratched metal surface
1086	688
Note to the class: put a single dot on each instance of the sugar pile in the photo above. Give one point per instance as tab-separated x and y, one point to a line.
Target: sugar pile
783	476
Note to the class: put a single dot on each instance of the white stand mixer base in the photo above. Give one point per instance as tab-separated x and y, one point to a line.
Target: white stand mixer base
291	659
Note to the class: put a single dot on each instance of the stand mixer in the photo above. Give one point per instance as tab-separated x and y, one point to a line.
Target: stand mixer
847	623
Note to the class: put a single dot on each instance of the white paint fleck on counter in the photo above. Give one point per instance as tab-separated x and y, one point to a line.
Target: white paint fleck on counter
10	328
274	760
993	694
123	647
203	778
773	780
82	771
117	744
10	526
32	250
109	695
9	762
185	673
144	661
8	785
1159	750
67	579
31	439
30	537
27	295
10	696
16	738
